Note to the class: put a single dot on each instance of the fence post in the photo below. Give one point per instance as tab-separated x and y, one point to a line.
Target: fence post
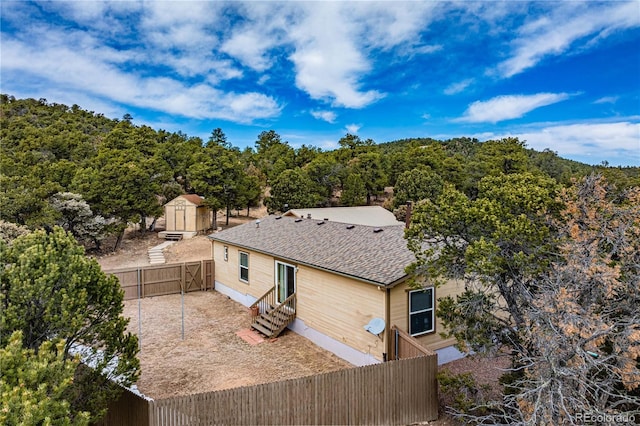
202	276
139	311
396	343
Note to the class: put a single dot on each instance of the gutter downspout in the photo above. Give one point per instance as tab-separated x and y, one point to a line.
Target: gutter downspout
387	318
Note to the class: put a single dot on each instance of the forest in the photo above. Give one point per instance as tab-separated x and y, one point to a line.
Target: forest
94	175
548	250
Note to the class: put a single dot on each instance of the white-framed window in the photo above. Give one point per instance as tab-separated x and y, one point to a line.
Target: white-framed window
225	253
421	311
243	265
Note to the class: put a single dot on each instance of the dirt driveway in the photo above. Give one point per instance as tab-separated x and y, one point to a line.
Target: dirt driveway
212	356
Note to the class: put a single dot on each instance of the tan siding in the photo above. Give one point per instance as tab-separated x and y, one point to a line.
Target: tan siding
203	219
334	305
196	219
260	270
399	313
190	218
340	308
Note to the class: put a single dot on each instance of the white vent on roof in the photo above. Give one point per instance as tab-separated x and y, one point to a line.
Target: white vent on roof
376	230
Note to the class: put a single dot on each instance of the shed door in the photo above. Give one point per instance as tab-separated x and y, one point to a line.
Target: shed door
285	280
181	210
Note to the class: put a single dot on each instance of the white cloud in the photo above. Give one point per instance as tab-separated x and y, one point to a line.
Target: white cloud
617	143
77	70
607	100
264	29
333	45
250	47
555	33
458	87
508	107
328	116
327	59
353	128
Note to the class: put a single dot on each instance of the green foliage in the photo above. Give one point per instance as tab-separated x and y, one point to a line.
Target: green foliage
122	184
370	168
417	184
498	243
294	189
325	172
351	146
218	175
34	385
50	289
306	154
218	138
274	156
354	192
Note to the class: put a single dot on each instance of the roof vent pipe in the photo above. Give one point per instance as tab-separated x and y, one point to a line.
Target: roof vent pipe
308	215
407	217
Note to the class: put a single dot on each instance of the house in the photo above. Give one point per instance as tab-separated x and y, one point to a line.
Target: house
342	285
361	215
185	216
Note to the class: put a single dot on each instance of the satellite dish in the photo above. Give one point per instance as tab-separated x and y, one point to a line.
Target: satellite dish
375	326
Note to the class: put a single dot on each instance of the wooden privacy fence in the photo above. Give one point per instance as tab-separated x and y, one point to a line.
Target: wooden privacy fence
395	392
129	410
165	279
404	346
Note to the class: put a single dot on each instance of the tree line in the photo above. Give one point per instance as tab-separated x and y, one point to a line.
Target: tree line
94	176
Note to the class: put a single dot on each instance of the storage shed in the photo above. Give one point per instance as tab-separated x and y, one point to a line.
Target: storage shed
186	215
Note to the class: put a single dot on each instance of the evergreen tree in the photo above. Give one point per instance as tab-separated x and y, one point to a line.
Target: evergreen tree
34	385
49	289
354	192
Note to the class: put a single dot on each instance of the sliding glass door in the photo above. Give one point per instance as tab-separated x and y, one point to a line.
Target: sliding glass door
285	281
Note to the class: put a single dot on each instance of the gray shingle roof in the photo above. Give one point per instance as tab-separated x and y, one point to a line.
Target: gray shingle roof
359	252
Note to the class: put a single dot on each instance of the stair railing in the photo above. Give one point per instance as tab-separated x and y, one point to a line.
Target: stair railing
283	314
265	303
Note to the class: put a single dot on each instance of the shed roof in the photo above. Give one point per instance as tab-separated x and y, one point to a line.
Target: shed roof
356	251
361	215
192	198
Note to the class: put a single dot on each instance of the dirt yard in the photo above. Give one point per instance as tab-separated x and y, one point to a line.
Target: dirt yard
212	356
135	245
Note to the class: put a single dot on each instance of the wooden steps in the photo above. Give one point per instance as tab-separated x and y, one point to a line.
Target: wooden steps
172	236
156	255
272	318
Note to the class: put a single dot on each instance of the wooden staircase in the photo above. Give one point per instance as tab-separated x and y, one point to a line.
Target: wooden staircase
271	318
175	236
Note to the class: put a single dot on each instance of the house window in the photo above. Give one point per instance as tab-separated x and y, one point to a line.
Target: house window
244	266
226	253
421	312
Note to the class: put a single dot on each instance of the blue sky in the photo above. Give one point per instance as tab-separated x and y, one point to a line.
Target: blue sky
563	75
